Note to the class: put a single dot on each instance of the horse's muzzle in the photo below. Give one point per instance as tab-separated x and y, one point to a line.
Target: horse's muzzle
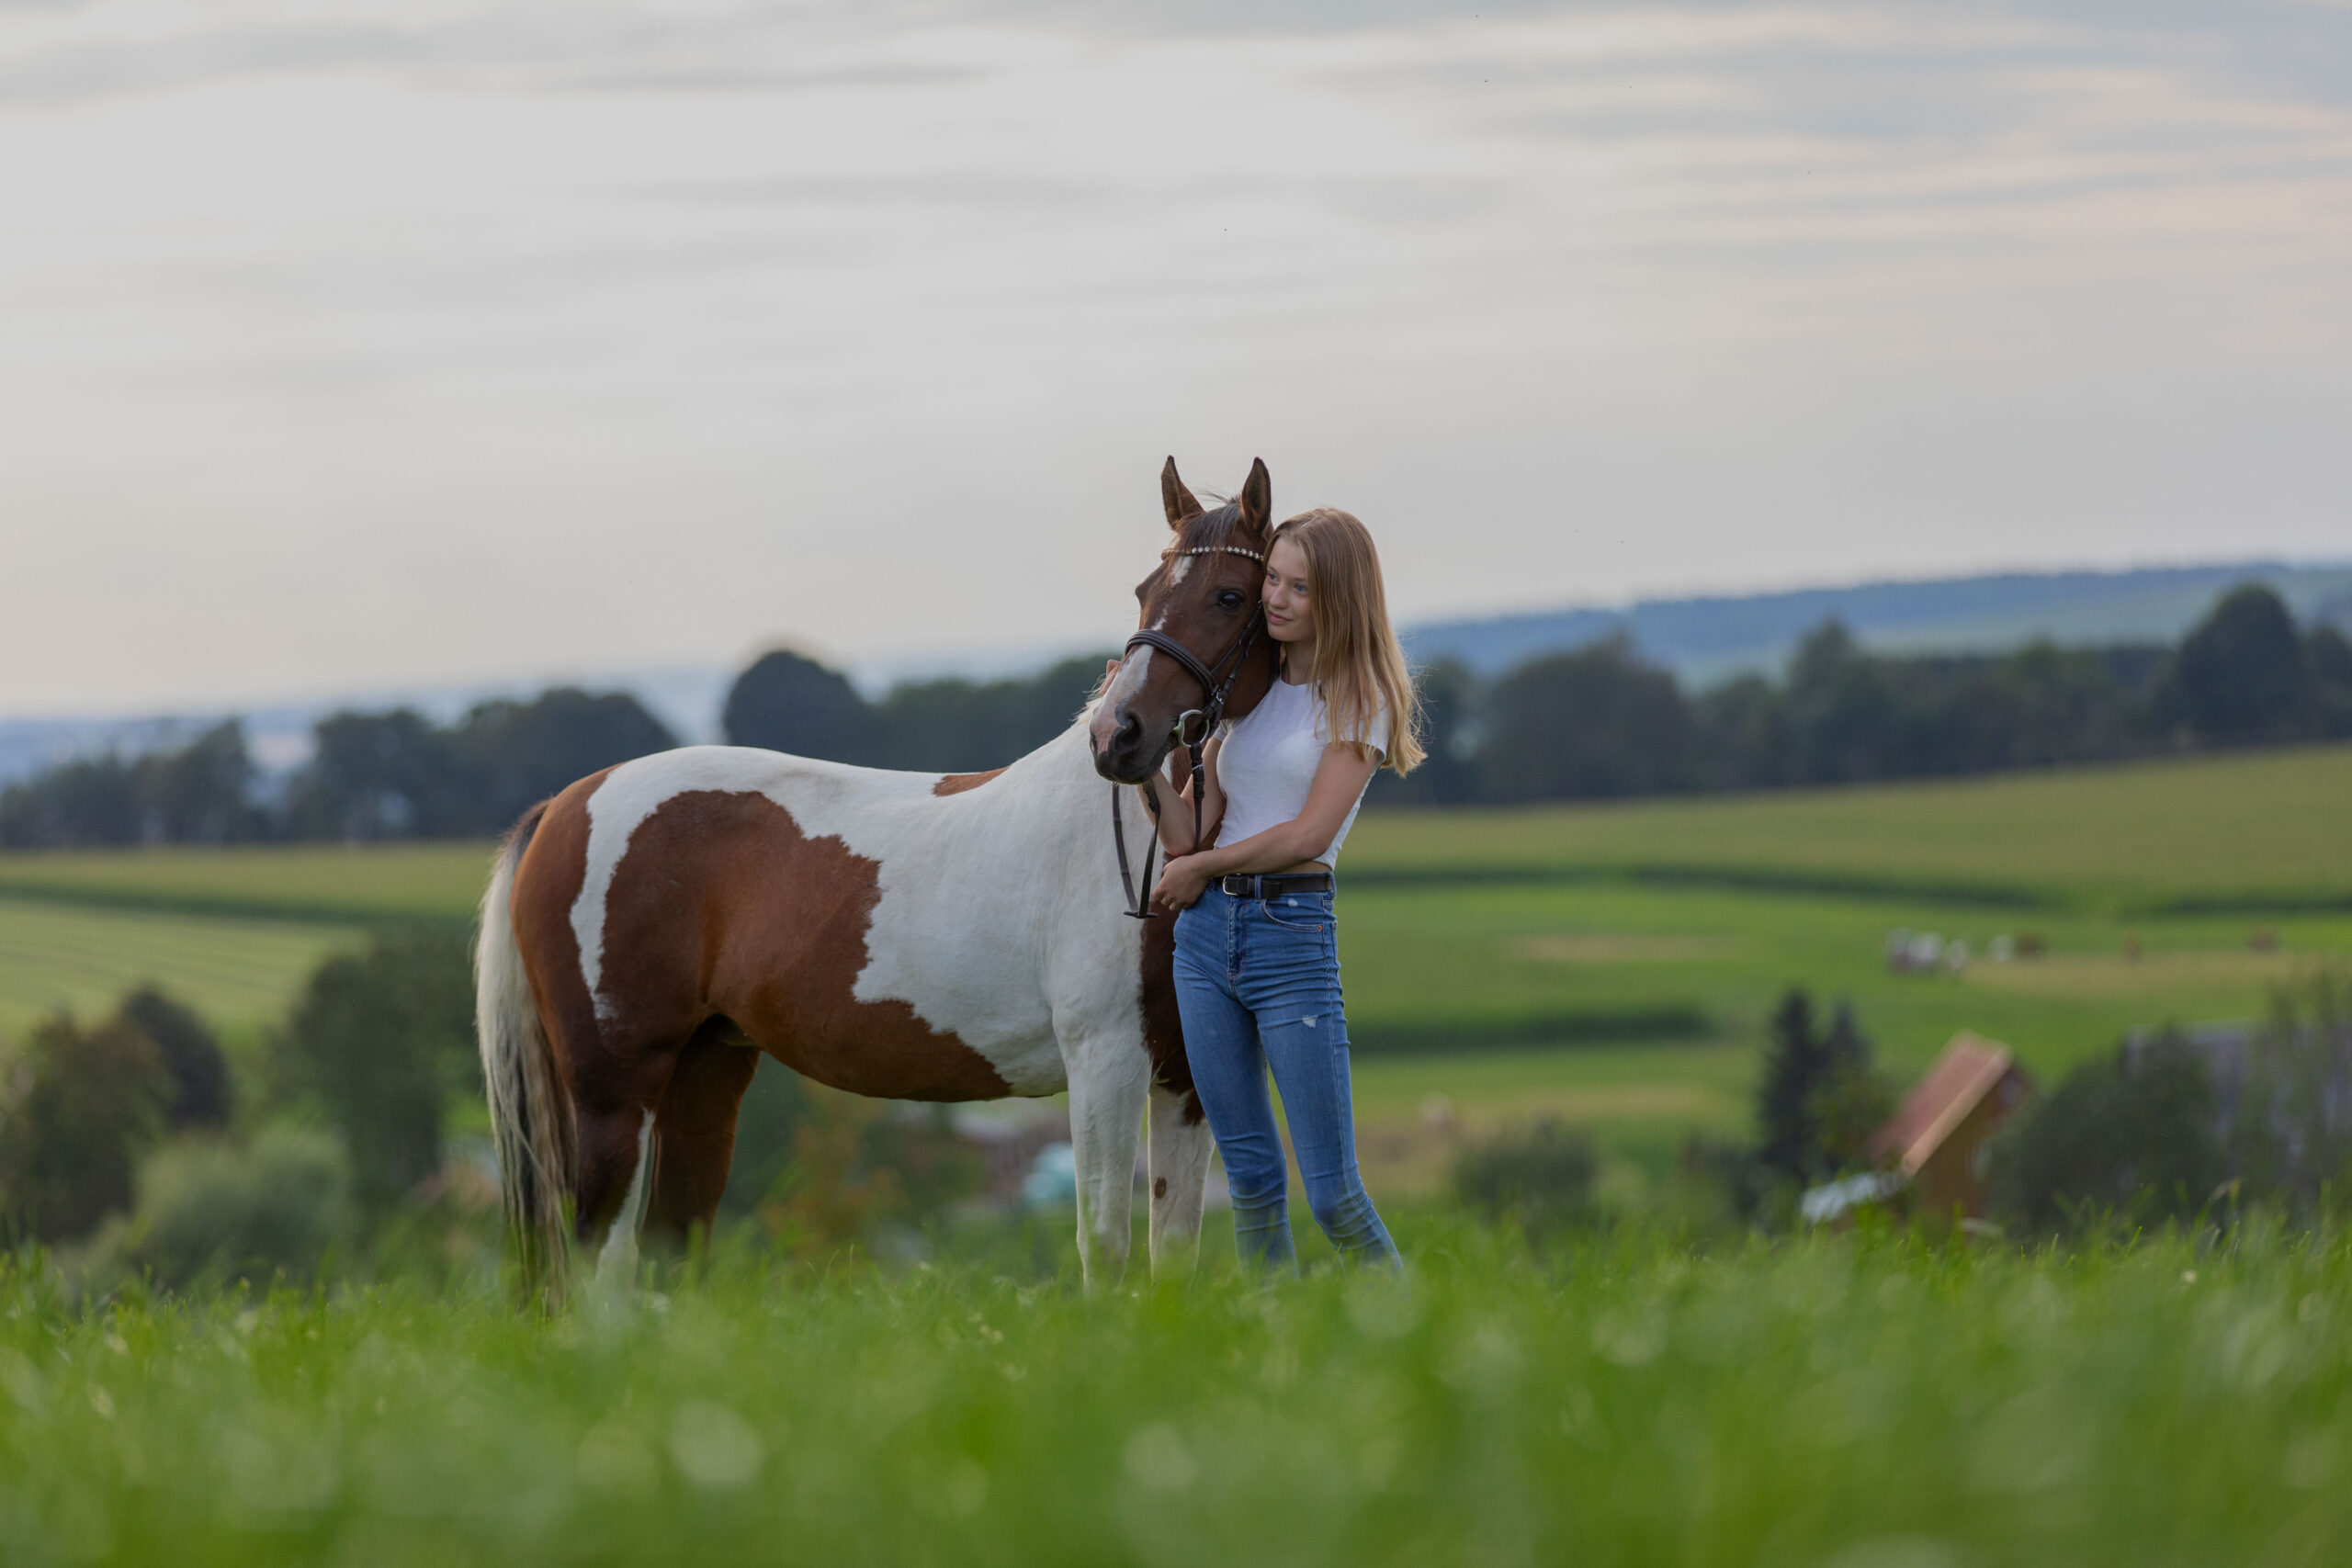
1126	750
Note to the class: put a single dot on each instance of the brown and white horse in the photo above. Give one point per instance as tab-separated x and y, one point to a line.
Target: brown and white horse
654	928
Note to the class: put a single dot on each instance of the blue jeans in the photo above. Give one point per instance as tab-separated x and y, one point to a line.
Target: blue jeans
1258	982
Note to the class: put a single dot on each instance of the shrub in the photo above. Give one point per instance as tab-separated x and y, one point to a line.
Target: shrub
211	1211
1540	1176
2290	1133
861	1168
2130	1138
81	1108
191	1055
378	1043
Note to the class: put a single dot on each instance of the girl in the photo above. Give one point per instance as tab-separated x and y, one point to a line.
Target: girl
1257	958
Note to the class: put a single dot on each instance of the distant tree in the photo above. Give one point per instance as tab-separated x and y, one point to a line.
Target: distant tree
787	701
1795	1066
956	725
198	793
201	792
2239	677
1851	1100
1597	722
378	1043
1844	712
519	754
82	1107
2329	656
1449	774
2119	1138
75	805
1742	735
191	1055
384	775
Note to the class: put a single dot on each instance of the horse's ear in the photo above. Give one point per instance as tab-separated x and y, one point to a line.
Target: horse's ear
1258	497
1175	497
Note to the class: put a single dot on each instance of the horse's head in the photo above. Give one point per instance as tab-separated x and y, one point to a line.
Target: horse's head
1203	597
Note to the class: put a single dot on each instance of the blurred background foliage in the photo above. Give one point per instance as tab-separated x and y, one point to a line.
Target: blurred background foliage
1597	723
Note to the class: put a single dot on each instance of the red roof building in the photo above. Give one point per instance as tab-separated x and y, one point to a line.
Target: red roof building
1935	1139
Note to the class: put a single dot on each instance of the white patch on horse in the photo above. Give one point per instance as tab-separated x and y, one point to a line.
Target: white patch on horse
616	1264
985	925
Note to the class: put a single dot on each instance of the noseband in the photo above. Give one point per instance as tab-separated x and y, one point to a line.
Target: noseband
1192	729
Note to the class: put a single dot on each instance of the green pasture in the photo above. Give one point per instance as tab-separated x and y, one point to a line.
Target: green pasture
1855	1402
238	973
351	883
2261	832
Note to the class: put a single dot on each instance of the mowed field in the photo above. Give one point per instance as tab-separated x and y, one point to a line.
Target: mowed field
1612	965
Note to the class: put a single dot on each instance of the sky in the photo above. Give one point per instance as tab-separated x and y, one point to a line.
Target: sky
346	347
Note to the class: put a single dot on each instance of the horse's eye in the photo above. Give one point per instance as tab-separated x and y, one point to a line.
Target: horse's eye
1228	600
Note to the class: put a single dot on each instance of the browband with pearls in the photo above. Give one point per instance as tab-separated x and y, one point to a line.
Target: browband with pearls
1221	549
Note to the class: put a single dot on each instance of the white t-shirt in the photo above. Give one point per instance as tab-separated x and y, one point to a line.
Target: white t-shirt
1267	764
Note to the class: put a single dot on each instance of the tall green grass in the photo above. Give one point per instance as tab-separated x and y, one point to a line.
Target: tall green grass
1852	1400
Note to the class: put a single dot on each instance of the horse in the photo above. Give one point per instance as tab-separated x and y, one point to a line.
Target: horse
648	932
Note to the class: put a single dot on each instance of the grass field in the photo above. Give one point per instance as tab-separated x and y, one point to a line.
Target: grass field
238	973
1851	1401
1610	964
2261	832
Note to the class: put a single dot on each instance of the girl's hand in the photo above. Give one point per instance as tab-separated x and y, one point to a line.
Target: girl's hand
1182	882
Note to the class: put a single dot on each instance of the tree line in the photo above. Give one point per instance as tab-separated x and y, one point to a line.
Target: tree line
1598	722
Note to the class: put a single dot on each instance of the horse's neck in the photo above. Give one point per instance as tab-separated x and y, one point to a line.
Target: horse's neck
1057	790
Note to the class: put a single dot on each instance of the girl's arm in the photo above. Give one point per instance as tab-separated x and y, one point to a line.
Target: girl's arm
1340	779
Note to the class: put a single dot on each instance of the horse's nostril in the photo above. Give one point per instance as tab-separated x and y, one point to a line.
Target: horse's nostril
1130	729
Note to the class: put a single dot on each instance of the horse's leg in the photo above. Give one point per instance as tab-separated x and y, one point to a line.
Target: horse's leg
695	1129
1107	1086
1180	1171
613	1106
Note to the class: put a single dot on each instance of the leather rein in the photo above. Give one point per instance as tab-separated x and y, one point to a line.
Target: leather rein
1192	731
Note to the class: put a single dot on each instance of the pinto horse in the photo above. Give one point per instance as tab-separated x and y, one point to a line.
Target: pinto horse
652	929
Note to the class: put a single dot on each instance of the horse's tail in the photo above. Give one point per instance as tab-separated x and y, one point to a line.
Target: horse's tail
530	1110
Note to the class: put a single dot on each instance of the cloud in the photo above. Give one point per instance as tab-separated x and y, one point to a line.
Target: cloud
705	321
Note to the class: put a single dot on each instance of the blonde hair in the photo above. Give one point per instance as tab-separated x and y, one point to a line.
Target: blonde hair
1358	667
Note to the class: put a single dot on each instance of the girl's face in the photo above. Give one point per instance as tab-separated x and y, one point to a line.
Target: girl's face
1290	613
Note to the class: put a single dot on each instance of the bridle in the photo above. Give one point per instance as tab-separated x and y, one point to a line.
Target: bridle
1192	729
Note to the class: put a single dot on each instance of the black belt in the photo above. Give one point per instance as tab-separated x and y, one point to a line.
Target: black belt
1276	886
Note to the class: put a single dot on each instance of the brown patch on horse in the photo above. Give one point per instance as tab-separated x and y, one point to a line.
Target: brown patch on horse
612	1081
956	784
1159	1186
694	1128
547	883
1164	1026
722	905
